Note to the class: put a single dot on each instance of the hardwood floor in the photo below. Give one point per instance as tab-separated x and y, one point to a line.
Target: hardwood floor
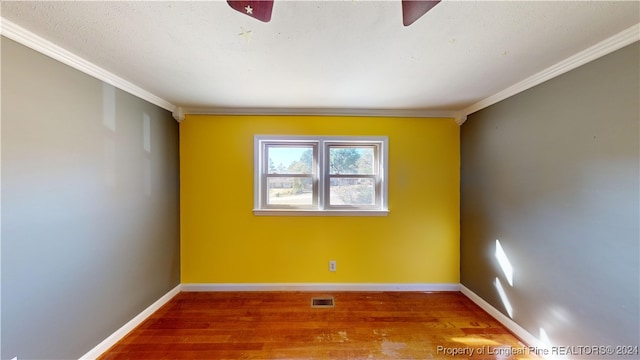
283	325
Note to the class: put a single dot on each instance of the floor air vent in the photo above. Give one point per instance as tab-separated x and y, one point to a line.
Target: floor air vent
322	302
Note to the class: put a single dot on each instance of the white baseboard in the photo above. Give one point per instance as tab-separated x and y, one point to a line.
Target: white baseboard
126	328
518	330
422	287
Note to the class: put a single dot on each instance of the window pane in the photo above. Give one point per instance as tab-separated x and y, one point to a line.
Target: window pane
351	191
351	160
289	191
289	159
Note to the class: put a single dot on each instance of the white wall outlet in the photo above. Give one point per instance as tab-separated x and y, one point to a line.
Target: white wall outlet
332	265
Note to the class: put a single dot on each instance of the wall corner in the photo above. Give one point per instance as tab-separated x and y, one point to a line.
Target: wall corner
178	114
460	118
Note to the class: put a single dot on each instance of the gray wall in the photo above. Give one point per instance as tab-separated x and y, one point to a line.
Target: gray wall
553	174
90	207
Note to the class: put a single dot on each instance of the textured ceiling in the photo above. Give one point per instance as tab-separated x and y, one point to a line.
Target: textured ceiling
324	54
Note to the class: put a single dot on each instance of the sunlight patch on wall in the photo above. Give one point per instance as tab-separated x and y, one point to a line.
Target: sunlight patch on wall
146	144
146	132
545	343
109	106
504	262
544	338
503	297
561	315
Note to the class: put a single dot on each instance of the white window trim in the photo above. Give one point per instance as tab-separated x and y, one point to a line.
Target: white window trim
322	142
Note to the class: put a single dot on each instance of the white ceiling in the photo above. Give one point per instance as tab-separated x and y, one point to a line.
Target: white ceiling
324	54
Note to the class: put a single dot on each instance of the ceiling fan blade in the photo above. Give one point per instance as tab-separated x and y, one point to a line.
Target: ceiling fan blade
258	9
412	10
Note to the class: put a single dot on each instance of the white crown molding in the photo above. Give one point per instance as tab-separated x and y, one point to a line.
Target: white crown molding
421	287
46	47
414	113
178	114
37	43
607	46
130	325
460	117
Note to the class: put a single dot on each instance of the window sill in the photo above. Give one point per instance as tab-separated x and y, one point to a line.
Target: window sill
265	212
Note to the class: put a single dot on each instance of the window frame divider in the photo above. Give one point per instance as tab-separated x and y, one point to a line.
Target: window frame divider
321	177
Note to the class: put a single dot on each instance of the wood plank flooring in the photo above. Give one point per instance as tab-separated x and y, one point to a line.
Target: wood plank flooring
283	325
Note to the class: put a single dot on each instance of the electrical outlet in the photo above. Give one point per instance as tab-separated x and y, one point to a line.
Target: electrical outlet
332	265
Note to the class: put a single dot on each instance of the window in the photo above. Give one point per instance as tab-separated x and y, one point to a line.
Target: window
320	175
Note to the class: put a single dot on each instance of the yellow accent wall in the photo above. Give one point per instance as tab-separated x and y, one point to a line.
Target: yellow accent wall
222	241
